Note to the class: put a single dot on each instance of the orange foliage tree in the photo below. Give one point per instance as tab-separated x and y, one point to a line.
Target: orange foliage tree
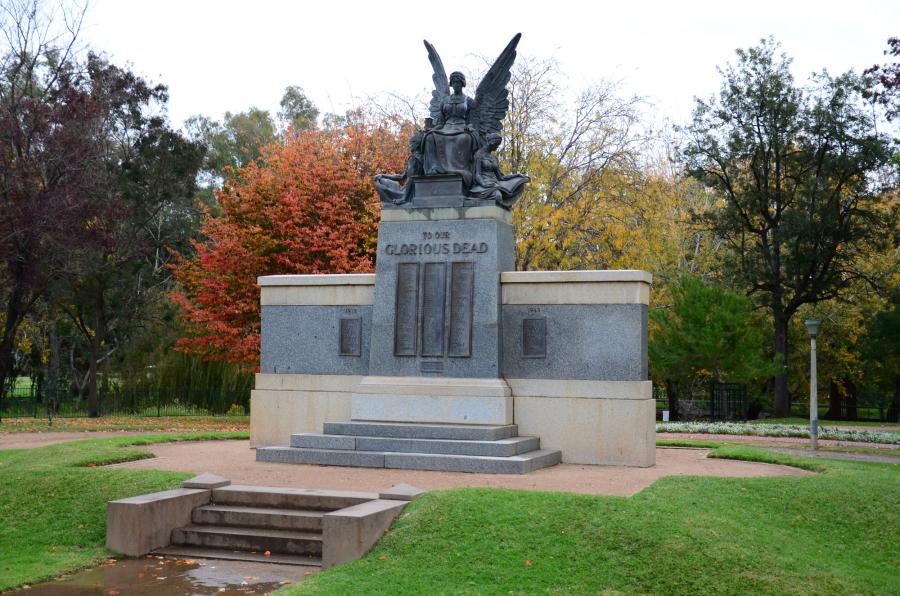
308	206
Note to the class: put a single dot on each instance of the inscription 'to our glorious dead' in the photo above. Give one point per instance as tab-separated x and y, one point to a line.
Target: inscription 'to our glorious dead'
436	248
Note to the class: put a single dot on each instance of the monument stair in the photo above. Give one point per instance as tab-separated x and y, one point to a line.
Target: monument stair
412	446
246	522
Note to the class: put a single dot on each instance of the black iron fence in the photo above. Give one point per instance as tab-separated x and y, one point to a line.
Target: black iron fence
715	401
127	402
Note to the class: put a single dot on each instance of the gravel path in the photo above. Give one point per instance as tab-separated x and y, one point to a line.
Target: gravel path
236	461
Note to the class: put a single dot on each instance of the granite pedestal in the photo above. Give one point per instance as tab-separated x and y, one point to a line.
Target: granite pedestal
446	334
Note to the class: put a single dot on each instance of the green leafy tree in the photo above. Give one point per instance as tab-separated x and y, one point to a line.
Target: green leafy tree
797	169
297	110
882	346
113	266
707	332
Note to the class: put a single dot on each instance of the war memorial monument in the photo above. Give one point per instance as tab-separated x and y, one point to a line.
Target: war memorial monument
447	358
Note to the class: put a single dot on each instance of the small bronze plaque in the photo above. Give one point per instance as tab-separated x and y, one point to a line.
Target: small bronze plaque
434	284
351	337
431	366
406	309
462	297
534	338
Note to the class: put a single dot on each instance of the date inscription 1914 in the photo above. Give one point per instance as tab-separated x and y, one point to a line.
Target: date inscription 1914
435	243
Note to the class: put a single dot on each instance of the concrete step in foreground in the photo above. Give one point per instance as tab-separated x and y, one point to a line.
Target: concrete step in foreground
259	540
258	517
516	464
289	498
196	552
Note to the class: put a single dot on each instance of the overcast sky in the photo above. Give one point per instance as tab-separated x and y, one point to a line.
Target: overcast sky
227	55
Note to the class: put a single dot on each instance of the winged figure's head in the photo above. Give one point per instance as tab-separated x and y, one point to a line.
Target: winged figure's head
457	78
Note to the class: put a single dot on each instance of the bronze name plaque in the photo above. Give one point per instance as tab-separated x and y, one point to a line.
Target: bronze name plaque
462	298
434	283
406	309
534	338
431	366
350	339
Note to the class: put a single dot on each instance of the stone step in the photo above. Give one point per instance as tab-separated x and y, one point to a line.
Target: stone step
197	552
288	498
257	540
499	448
460	432
516	464
258	517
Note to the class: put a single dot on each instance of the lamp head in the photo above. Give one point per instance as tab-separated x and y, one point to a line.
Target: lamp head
813	328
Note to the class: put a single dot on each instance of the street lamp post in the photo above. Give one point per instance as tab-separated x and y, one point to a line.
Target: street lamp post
813	328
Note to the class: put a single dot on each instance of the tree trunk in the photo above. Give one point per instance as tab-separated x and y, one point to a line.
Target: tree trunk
850	398
53	374
835	401
672	395
93	402
893	414
782	399
14	307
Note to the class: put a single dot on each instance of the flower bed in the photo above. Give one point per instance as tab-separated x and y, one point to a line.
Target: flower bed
779	430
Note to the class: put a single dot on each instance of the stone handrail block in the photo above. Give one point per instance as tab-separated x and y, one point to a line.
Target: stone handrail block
137	525
349	533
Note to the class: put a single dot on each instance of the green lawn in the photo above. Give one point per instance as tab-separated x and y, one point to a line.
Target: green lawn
836	532
53	502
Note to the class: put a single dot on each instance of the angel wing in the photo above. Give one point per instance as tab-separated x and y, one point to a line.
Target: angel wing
441	84
491	100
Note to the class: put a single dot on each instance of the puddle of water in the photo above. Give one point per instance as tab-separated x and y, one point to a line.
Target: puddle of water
175	577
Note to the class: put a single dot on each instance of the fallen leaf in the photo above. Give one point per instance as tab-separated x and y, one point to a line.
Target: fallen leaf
528	562
382	558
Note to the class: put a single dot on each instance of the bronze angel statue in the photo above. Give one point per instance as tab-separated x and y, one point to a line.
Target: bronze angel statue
461	135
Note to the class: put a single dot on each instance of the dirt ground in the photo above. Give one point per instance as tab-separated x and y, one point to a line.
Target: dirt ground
236	461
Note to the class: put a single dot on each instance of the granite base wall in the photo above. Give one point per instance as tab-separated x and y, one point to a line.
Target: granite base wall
282	405
592	430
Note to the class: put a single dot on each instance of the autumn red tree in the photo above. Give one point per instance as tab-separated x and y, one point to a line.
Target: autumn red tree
308	206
